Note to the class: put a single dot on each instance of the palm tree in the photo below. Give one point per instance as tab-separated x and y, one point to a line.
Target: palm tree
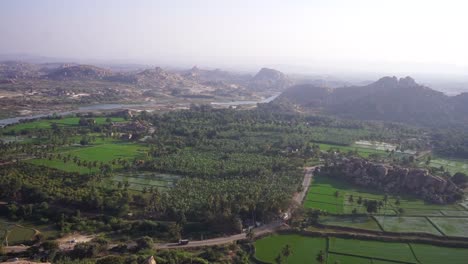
320	257
286	252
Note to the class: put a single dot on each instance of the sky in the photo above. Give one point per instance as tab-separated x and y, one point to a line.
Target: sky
330	35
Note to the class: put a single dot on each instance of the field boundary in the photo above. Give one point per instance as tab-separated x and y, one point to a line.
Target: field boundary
371	258
436	226
414	253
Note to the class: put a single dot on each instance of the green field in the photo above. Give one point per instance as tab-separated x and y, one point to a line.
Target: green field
354	251
17	235
407	224
304	249
138	181
362	222
428	254
373	249
345	259
322	191
451	226
64	122
452	165
103	150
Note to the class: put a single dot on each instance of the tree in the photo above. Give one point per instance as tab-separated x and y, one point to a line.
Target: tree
286	252
359	201
250	235
320	257
279	259
144	243
371	206
351	199
397	201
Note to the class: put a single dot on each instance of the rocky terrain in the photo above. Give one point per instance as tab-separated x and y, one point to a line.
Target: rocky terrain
394	179
270	79
26	87
388	99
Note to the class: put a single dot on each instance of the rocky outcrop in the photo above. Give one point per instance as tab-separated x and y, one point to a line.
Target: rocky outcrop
396	180
269	80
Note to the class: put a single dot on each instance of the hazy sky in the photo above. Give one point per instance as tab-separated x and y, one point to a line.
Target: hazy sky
419	35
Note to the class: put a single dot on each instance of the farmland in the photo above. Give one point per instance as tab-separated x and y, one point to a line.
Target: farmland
106	151
354	251
62	122
144	181
268	248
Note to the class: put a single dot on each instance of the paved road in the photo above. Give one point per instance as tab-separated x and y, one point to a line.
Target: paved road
225	240
299	197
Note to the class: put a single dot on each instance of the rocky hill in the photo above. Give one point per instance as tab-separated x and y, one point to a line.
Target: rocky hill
79	72
394	179
389	99
269	80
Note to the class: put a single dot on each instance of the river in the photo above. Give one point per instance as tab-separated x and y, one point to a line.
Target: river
84	109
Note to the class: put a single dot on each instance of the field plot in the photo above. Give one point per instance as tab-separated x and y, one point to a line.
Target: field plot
407	224
428	254
17	235
373	249
452	165
324	190
304	249
345	259
145	180
103	151
363	222
355	251
451	226
47	123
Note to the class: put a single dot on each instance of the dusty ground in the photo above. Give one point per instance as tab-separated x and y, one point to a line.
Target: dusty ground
65	243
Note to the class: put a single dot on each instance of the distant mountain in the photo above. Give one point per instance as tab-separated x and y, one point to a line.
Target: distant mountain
269	80
390	99
79	72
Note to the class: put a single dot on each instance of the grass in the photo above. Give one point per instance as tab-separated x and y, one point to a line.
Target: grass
362	222
64	122
451	226
452	165
304	249
354	251
407	224
138	181
429	254
322	191
103	150
345	259
17	235
373	249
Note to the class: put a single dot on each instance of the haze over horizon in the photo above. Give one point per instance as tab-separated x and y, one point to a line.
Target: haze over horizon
305	36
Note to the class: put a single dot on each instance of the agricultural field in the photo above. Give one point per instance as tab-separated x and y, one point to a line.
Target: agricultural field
354	251
304	249
452	165
140	181
407	224
323	190
429	254
362	222
47	123
451	226
373	249
103	150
